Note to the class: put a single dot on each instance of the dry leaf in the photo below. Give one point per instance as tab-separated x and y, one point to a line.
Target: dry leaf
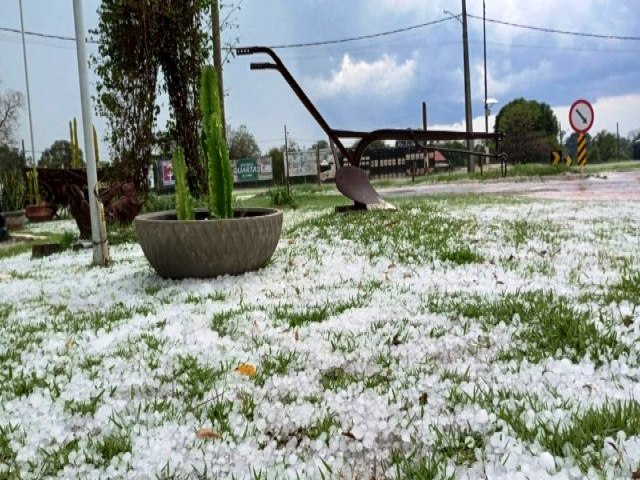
208	433
423	398
407	275
391	266
627	321
395	341
349	435
297	336
69	343
246	369
291	241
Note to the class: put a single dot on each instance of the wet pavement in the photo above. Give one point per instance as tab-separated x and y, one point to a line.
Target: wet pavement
605	186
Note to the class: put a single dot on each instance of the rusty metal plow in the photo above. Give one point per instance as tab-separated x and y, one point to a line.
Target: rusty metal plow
351	180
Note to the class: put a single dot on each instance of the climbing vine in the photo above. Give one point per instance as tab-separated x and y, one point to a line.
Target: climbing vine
147	47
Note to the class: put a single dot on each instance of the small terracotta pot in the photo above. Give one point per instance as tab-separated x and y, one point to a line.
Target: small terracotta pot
39	213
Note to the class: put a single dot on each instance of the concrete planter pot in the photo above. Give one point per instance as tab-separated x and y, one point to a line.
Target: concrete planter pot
208	248
15	220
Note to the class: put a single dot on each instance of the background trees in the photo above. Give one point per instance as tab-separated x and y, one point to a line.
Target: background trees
11	102
531	129
242	143
58	155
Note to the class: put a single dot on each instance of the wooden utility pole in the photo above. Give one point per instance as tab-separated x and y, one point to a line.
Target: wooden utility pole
424	127
217	57
467	85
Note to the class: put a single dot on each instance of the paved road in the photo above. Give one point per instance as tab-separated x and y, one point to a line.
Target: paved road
607	186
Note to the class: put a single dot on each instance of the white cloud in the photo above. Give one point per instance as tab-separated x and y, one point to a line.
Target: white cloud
513	83
384	75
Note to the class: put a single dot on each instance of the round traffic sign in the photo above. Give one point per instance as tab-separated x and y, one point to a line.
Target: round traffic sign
581	116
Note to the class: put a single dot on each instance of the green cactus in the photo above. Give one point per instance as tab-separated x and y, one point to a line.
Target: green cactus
220	177
33	189
75	147
184	202
96	150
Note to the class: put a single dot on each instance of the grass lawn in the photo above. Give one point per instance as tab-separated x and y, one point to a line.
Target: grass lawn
457	337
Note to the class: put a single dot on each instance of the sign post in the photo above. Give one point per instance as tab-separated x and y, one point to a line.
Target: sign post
581	119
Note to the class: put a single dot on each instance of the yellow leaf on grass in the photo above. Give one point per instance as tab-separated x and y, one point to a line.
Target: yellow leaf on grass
208	433
246	369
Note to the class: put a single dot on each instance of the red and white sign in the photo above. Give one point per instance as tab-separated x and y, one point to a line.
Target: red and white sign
581	116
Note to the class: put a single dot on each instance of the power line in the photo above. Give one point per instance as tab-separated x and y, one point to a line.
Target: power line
554	30
45	35
362	37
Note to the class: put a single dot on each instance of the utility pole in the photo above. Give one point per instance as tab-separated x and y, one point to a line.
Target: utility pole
484	43
424	127
217	58
98	232
467	85
26	76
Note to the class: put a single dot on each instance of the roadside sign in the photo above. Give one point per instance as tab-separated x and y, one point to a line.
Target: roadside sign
582	150
247	170
556	157
569	160
581	116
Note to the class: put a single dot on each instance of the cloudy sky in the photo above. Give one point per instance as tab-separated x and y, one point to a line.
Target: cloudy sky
373	83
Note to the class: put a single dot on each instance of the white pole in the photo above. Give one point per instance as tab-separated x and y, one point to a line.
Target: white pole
100	249
26	76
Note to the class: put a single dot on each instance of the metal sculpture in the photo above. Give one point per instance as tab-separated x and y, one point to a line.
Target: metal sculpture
351	180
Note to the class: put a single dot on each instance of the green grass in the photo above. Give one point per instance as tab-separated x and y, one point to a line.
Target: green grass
418	232
319	313
627	288
548	325
582	436
111	446
95	320
194	379
419	466
7	454
66	239
278	363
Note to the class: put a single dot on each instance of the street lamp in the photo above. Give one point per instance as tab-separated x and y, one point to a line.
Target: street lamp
488	103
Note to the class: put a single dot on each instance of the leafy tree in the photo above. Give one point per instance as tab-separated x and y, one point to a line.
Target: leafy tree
320	144
58	155
138	39
10	159
242	143
530	128
605	143
11	102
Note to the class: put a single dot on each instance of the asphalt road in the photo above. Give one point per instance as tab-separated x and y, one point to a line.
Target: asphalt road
606	186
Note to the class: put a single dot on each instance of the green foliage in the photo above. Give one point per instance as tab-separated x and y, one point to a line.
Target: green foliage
12	191
60	155
75	148
242	143
281	197
220	177
277	163
531	130
171	36
184	203
33	188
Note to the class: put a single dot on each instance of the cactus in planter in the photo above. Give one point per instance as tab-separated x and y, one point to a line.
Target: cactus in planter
184	202
220	177
75	148
33	189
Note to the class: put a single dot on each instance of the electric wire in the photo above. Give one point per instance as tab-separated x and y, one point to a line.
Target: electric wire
557	31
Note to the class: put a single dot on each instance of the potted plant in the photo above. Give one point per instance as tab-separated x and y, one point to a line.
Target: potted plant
189	242
12	192
36	210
